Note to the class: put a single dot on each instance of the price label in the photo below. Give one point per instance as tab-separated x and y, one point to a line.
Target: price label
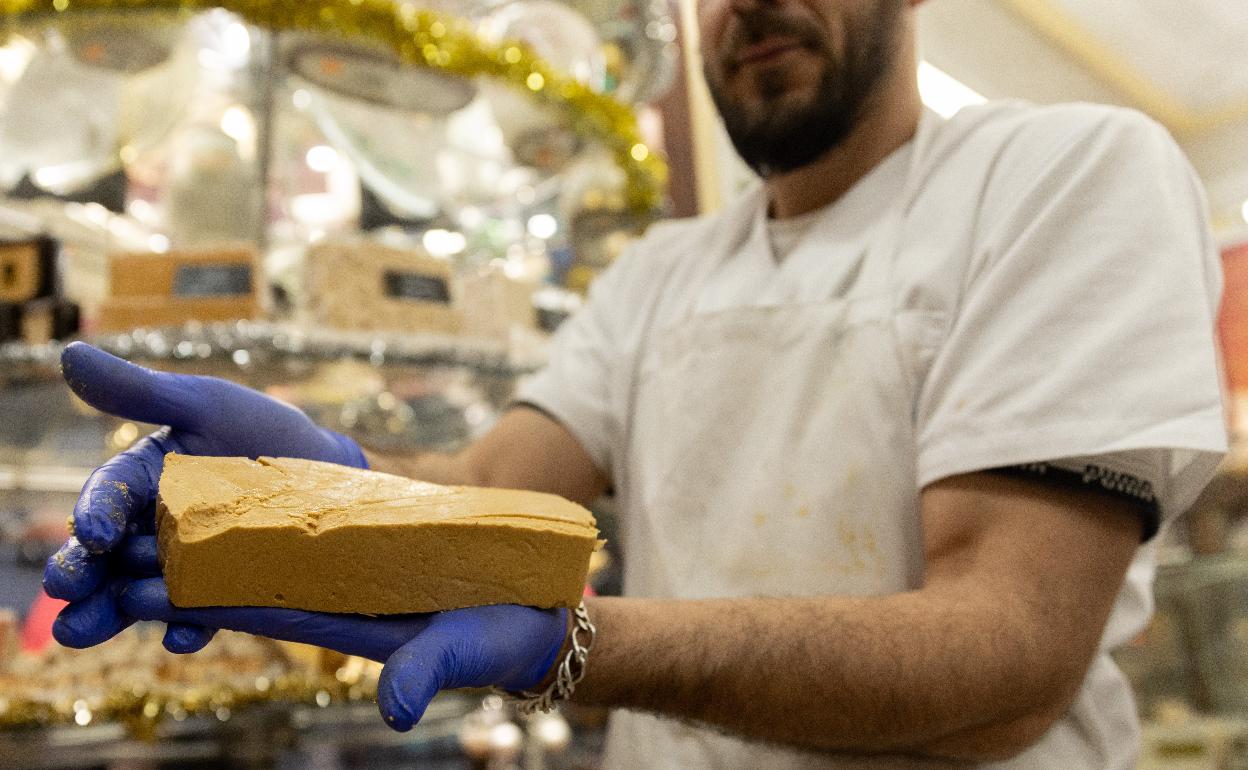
414	286
212	280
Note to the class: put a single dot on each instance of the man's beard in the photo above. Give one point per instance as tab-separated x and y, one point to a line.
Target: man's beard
776	138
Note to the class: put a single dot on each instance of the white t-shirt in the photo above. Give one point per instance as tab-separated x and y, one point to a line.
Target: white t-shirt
785	235
1066	258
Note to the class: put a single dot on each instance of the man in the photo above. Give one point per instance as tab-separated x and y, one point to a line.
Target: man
887	434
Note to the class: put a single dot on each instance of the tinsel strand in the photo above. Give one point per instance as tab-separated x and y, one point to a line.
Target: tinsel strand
426	38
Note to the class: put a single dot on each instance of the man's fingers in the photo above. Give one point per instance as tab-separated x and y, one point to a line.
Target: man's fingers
137	556
118	494
412	676
127	390
112	495
374	638
92	621
184	638
513	647
73	573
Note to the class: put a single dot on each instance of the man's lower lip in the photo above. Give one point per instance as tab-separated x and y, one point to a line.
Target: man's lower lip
767	55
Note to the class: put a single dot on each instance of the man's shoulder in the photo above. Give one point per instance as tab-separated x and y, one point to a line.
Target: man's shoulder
1004	159
1018	131
1012	119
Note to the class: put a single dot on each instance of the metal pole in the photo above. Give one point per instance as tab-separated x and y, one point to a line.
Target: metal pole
266	116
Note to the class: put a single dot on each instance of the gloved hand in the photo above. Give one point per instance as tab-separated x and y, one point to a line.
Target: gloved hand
114	517
504	645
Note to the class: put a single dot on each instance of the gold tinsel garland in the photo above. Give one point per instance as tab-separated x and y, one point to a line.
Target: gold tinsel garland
141	710
426	38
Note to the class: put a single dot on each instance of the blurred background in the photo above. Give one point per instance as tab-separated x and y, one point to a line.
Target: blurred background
385	229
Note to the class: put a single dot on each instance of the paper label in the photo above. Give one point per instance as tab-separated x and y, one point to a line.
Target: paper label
414	286
212	280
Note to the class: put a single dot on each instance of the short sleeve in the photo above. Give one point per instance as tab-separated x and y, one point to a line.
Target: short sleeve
1086	323
576	385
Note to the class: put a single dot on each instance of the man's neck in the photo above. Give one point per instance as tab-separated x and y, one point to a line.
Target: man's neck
891	120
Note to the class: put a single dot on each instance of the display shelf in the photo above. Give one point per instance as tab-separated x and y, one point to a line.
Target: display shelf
256	737
42	478
391	391
239	126
1192	661
243	342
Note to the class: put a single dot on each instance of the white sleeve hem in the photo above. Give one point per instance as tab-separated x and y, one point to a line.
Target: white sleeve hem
970	453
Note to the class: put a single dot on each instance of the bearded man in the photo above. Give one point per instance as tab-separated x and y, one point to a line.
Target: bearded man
891	437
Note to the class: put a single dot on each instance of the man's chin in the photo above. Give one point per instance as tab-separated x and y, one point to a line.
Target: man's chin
778	87
770	108
783	140
778	115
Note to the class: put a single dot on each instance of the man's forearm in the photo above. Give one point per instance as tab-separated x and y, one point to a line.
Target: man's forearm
906	674
525	450
433	467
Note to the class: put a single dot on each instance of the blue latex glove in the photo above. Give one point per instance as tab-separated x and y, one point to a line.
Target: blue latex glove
113	518
504	645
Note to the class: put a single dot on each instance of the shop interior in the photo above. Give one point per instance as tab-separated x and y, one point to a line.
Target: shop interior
209	192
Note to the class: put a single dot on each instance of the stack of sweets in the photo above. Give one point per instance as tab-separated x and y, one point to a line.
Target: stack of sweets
205	284
32	307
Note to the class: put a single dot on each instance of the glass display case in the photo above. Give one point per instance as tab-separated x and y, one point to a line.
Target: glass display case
478	159
1189	669
243	705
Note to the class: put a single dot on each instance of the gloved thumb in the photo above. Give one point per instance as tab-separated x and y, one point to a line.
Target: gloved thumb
513	647
413	675
127	390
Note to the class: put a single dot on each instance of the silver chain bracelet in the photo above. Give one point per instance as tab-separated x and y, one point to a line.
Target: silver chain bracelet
571	670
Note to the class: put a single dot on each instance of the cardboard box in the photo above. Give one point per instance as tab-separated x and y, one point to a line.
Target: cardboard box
211	284
27	270
366	286
219	272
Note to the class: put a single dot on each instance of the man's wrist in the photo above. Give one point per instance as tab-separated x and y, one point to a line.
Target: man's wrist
564	649
568	670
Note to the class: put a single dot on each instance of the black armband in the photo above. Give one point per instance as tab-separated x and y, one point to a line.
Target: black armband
1101	479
